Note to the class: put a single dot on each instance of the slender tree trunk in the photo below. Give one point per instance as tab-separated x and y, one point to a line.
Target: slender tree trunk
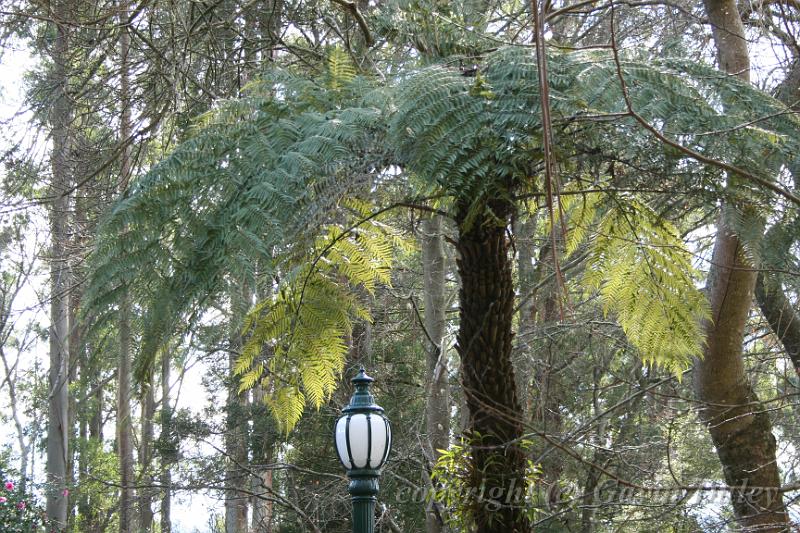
236	479
58	399
783	319
484	343
24	447
739	426
146	494
95	437
262	445
167	452
437	409
262	482
547	393
526	274
124	422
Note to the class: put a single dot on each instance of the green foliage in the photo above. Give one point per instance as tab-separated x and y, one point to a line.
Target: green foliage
93	494
452	487
19	511
262	179
313	312
243	190
644	275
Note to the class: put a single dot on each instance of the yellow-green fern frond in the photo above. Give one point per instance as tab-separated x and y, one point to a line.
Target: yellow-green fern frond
287	404
575	213
644	276
341	70
307	321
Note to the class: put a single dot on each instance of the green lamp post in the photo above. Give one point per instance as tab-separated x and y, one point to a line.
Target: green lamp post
363	438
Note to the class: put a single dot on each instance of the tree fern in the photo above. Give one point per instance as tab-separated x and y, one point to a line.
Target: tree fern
263	179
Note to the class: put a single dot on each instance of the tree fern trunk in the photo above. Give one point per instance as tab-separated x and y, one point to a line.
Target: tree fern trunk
484	343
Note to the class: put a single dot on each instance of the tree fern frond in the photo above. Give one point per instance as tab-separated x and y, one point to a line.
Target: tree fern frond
643	273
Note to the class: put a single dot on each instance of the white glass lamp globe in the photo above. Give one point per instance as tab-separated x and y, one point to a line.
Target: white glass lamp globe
362	435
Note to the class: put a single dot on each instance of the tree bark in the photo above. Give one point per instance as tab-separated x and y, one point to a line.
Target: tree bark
236	479
58	399
484	343
783	319
166	446
437	409
146	494
124	422
262	482
739	426
526	275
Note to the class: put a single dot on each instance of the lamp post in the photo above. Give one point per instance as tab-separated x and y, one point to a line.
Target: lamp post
363	438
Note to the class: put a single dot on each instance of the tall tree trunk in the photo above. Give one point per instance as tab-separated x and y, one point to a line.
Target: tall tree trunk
166	446
89	511
58	398
526	274
739	426
547	394
437	409
146	493
783	318
124	422
484	343
236	479
262	444
262	481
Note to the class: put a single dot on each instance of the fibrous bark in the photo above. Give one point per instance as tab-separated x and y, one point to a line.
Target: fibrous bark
484	343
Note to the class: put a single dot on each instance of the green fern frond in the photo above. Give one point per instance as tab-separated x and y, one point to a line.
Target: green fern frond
643	273
340	68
